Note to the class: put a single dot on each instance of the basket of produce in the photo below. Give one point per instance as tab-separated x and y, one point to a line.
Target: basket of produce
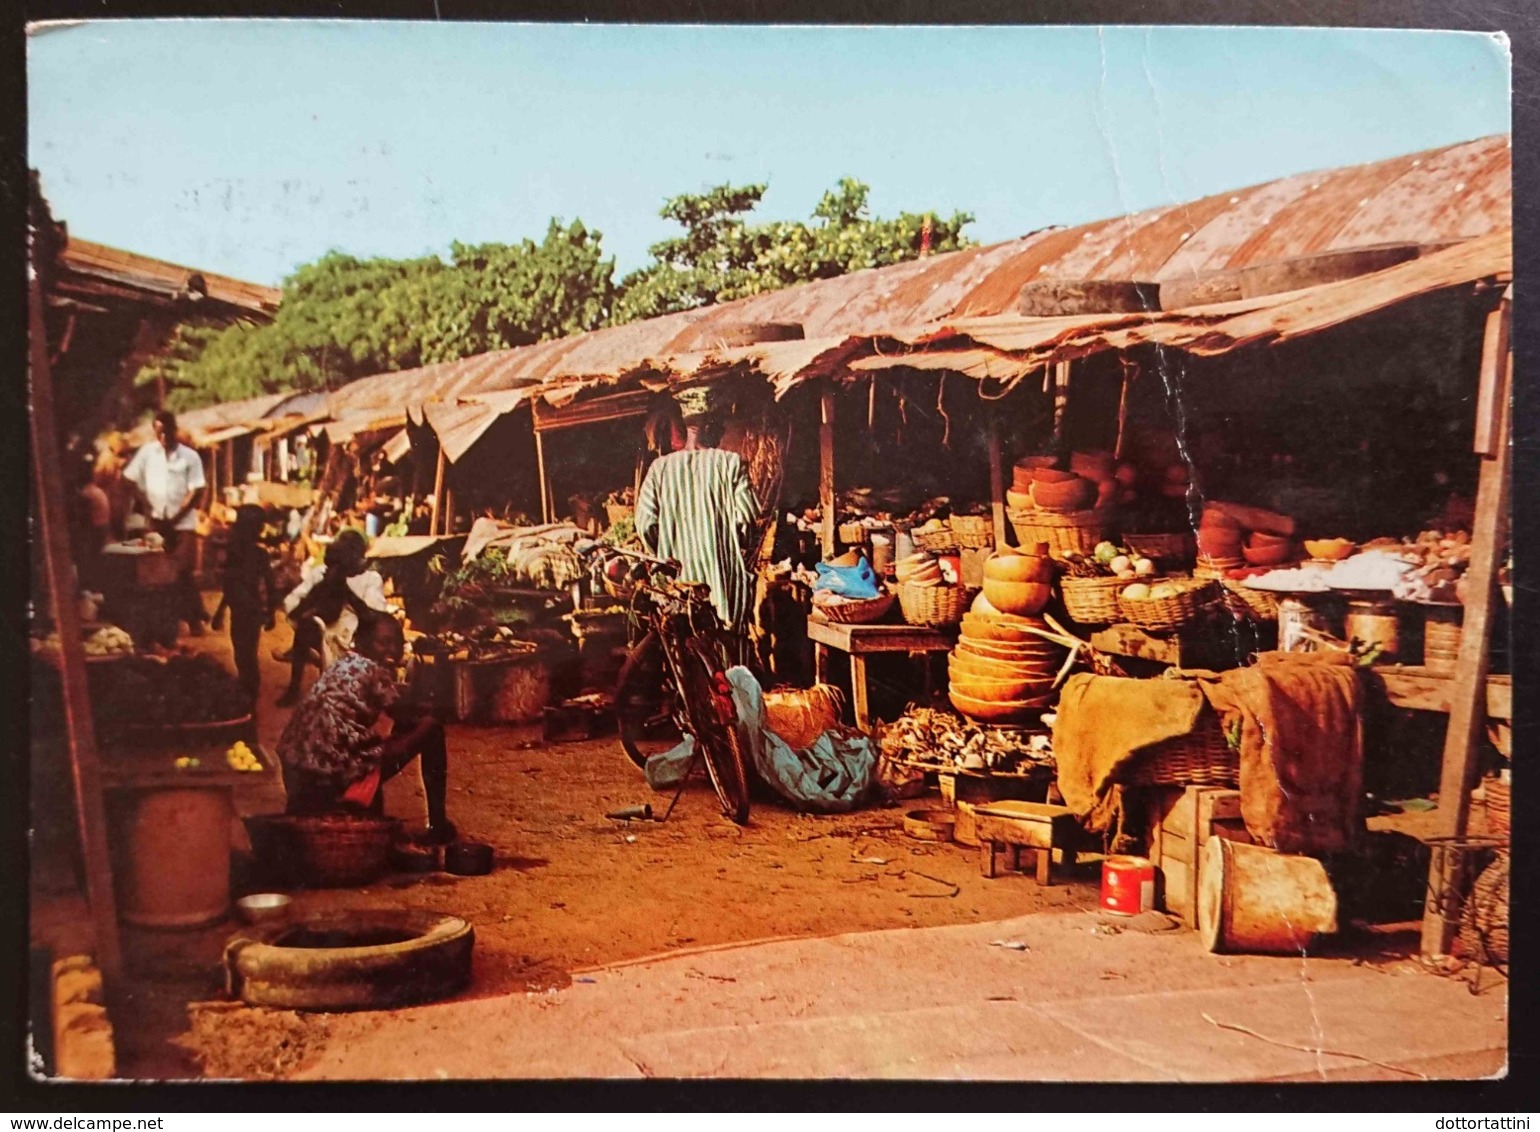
336	850
1170	548
1259	605
1091	582
933	605
976	532
1203	757
851	611
1065	532
1167	605
936	537
181	700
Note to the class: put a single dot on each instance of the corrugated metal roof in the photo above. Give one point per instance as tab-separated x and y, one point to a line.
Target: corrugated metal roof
1441	195
117	265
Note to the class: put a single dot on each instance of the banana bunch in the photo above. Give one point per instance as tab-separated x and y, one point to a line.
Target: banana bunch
242	757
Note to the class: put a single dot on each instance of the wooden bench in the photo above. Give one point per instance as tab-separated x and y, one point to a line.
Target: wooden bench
1038	826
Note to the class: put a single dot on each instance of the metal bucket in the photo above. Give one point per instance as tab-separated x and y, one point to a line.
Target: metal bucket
1373	622
1128	885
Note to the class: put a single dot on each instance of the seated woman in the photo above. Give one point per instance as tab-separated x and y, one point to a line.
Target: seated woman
338	595
332	757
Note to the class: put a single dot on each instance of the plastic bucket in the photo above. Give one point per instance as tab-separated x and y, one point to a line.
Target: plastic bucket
1128	885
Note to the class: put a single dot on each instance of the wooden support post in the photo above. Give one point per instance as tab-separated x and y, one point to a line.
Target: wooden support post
996	482
213	476
545	479
438	492
1060	400
826	470
1467	700
449	511
80	731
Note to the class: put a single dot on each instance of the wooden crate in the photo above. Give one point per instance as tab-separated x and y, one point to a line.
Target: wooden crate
1181	822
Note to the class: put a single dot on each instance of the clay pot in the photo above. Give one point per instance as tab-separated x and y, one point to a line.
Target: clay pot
1052	475
1093	465
1021	481
1219	542
1007	566
999	712
1073	495
1019	498
1000	691
1019	598
968	666
1329	549
1106	492
1275	555
1261	539
1029	463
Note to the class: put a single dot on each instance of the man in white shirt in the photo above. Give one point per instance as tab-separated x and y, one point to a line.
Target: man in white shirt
168	477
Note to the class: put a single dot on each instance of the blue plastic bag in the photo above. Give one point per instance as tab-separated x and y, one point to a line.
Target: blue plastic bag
858	581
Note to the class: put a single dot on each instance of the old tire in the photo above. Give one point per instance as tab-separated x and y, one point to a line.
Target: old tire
432	961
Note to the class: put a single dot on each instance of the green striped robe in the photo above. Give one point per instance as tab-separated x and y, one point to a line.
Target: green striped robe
697	507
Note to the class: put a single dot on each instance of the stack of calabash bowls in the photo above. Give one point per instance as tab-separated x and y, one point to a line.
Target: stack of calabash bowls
1001	672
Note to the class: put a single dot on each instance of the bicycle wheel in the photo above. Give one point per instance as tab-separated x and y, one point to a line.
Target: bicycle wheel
722	742
641	704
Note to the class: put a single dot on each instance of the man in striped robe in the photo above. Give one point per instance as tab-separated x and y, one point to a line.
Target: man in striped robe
696	506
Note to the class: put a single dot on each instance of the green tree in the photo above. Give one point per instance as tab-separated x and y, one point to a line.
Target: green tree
721	256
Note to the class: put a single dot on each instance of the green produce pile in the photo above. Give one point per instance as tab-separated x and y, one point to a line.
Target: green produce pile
144	692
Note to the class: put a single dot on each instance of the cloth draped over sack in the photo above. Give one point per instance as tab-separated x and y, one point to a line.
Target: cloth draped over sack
1101	725
1300	738
833	775
1301	746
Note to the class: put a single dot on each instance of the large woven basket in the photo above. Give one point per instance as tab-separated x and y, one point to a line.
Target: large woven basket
856	612
1441	638
1260	605
943	541
853	534
1200	758
973	531
1164	615
1065	532
1484	922
1092	601
321	851
1161	547
618	512
1498	806
934	605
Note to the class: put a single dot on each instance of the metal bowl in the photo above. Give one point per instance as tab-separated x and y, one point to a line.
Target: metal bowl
264	907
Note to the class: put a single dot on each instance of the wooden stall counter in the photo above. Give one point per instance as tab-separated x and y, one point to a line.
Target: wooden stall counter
859	642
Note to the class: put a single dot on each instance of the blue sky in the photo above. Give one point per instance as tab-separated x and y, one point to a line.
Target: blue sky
250	147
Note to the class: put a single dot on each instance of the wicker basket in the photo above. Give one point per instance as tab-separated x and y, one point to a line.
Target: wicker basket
1161	547
853	534
855	612
934	605
974	531
1169	613
1484	922
935	542
1200	758
1259	604
616	512
1092	601
1065	532
338	850
1441	638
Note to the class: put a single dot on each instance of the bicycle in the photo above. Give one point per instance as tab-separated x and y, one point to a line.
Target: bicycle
675	672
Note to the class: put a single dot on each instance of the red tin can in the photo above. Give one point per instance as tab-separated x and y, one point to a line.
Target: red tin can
1128	885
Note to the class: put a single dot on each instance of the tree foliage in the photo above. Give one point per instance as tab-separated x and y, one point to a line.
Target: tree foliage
343	318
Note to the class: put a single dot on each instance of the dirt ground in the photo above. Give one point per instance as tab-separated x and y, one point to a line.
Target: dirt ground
570	888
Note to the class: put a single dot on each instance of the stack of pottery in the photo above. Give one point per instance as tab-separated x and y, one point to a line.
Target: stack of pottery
1099	469
1263	549
1220	541
1001	671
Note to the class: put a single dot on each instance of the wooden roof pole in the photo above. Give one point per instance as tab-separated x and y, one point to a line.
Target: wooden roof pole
1467	699
826	470
996	480
80	733
438	493
545	479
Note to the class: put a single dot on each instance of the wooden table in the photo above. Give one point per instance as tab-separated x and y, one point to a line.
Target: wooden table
860	641
1418	688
